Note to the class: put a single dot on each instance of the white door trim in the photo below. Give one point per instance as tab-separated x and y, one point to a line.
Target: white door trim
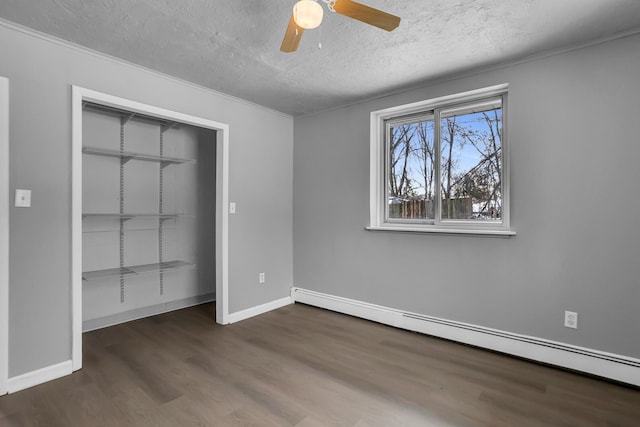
4	235
79	95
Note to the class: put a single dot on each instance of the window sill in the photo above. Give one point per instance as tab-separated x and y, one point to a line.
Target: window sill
469	231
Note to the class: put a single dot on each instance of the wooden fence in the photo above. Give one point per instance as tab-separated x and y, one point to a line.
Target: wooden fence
460	208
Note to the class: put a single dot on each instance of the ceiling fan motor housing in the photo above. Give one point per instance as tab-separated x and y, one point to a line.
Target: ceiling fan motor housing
308	14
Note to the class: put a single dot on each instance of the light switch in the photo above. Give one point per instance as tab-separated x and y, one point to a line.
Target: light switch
23	198
232	207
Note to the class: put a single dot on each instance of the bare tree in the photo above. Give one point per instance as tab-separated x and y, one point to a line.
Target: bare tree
400	150
473	190
426	154
483	182
448	139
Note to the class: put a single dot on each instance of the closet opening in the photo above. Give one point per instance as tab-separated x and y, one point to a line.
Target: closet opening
151	236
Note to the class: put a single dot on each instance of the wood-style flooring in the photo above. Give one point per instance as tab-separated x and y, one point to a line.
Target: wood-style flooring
306	367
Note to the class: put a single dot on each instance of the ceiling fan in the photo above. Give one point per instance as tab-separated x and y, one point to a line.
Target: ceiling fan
307	14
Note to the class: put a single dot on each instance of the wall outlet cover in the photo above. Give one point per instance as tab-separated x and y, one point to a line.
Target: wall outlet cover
571	319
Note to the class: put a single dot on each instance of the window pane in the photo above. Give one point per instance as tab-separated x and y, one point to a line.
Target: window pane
471	162
410	186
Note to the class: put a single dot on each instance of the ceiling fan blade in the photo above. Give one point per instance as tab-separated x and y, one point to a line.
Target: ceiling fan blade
292	37
367	14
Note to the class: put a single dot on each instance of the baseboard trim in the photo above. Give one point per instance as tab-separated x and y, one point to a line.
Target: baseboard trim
142	312
260	309
595	362
40	376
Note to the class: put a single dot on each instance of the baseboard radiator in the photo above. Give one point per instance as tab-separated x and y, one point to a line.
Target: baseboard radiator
595	362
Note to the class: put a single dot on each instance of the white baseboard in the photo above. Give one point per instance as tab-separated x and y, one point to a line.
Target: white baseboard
260	309
40	376
53	372
142	312
607	365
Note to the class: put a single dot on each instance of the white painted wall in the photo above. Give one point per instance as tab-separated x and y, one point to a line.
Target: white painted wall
41	74
575	206
184	238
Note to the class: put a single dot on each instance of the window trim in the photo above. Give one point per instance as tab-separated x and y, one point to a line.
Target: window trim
423	115
378	173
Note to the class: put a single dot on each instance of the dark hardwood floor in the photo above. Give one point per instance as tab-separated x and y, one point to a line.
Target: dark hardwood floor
303	366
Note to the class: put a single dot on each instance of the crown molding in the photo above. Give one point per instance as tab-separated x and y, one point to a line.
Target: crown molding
85	50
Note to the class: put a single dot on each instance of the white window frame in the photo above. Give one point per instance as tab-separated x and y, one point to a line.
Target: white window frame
378	174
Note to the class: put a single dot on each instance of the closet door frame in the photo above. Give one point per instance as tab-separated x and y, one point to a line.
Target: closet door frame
80	95
4	235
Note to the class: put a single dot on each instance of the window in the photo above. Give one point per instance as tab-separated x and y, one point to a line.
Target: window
441	165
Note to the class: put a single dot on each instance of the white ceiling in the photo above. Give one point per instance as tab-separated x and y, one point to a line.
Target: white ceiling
233	45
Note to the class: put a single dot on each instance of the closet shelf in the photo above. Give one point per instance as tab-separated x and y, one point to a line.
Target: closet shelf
127	216
128	155
128	115
136	269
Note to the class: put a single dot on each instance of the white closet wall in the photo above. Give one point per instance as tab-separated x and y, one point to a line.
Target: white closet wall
148	195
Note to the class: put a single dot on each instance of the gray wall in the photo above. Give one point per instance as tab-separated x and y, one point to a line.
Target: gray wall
573	130
41	74
206	229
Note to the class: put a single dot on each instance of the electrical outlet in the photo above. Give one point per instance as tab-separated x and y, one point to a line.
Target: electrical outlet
571	319
261	278
232	207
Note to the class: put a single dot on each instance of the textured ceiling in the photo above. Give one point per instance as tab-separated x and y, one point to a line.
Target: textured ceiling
233	45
